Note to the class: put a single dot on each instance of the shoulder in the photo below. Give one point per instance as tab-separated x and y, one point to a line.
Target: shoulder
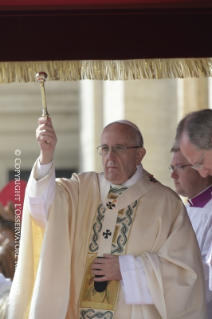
163	203
170	199
160	189
85	177
79	177
169	192
80	182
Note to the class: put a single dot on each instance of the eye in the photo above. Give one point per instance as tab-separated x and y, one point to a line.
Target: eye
104	148
118	147
179	167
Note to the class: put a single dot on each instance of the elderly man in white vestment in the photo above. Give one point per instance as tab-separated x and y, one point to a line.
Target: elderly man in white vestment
116	245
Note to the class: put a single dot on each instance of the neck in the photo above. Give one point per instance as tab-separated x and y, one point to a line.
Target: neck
201	189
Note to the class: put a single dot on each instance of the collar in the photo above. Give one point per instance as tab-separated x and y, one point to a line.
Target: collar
202	198
138	174
135	191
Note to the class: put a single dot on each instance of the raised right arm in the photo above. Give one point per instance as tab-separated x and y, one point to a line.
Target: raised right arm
41	185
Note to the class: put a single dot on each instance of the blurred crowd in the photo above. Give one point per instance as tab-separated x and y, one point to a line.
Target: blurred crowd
7	253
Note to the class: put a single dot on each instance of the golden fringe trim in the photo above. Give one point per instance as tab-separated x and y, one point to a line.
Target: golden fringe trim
106	70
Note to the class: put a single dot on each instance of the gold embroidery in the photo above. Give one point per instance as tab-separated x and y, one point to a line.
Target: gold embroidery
121	212
90	298
112	196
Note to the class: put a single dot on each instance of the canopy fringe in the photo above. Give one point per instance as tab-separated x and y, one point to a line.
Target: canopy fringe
106	70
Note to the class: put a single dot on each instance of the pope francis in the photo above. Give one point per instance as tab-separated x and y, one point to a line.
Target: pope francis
112	245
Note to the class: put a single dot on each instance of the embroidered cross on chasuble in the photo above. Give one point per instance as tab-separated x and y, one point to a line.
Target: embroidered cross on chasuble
110	231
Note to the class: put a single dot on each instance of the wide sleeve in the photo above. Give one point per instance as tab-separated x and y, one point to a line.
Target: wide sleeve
40	193
39	277
174	273
134	283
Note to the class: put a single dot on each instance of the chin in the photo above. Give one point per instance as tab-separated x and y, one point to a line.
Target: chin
113	179
179	191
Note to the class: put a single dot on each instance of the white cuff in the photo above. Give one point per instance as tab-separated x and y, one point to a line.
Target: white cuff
134	282
42	170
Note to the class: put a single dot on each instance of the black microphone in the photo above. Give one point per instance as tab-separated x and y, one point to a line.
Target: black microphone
100	286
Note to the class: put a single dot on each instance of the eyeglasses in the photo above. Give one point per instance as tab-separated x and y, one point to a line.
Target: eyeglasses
117	149
177	168
199	166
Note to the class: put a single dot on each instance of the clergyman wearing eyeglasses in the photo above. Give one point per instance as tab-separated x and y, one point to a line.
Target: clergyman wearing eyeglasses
105	245
194	138
189	183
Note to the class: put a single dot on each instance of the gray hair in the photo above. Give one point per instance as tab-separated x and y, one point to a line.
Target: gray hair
174	149
198	127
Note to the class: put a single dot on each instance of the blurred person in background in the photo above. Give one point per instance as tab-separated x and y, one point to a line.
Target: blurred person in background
189	183
7	254
7	222
194	138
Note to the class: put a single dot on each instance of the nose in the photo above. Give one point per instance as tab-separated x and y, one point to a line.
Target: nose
110	153
174	174
204	172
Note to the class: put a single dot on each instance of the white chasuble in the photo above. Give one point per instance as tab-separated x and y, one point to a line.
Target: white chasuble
50	280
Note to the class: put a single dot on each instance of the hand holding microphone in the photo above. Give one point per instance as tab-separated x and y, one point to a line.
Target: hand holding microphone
105	269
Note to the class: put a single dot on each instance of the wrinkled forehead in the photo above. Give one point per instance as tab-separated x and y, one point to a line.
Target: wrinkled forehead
118	131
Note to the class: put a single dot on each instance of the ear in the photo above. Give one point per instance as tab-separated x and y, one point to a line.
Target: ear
140	155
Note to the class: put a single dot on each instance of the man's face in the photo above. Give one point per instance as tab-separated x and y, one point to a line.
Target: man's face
118	169
187	181
194	155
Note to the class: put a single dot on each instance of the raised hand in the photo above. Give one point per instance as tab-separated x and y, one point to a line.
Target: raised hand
47	139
